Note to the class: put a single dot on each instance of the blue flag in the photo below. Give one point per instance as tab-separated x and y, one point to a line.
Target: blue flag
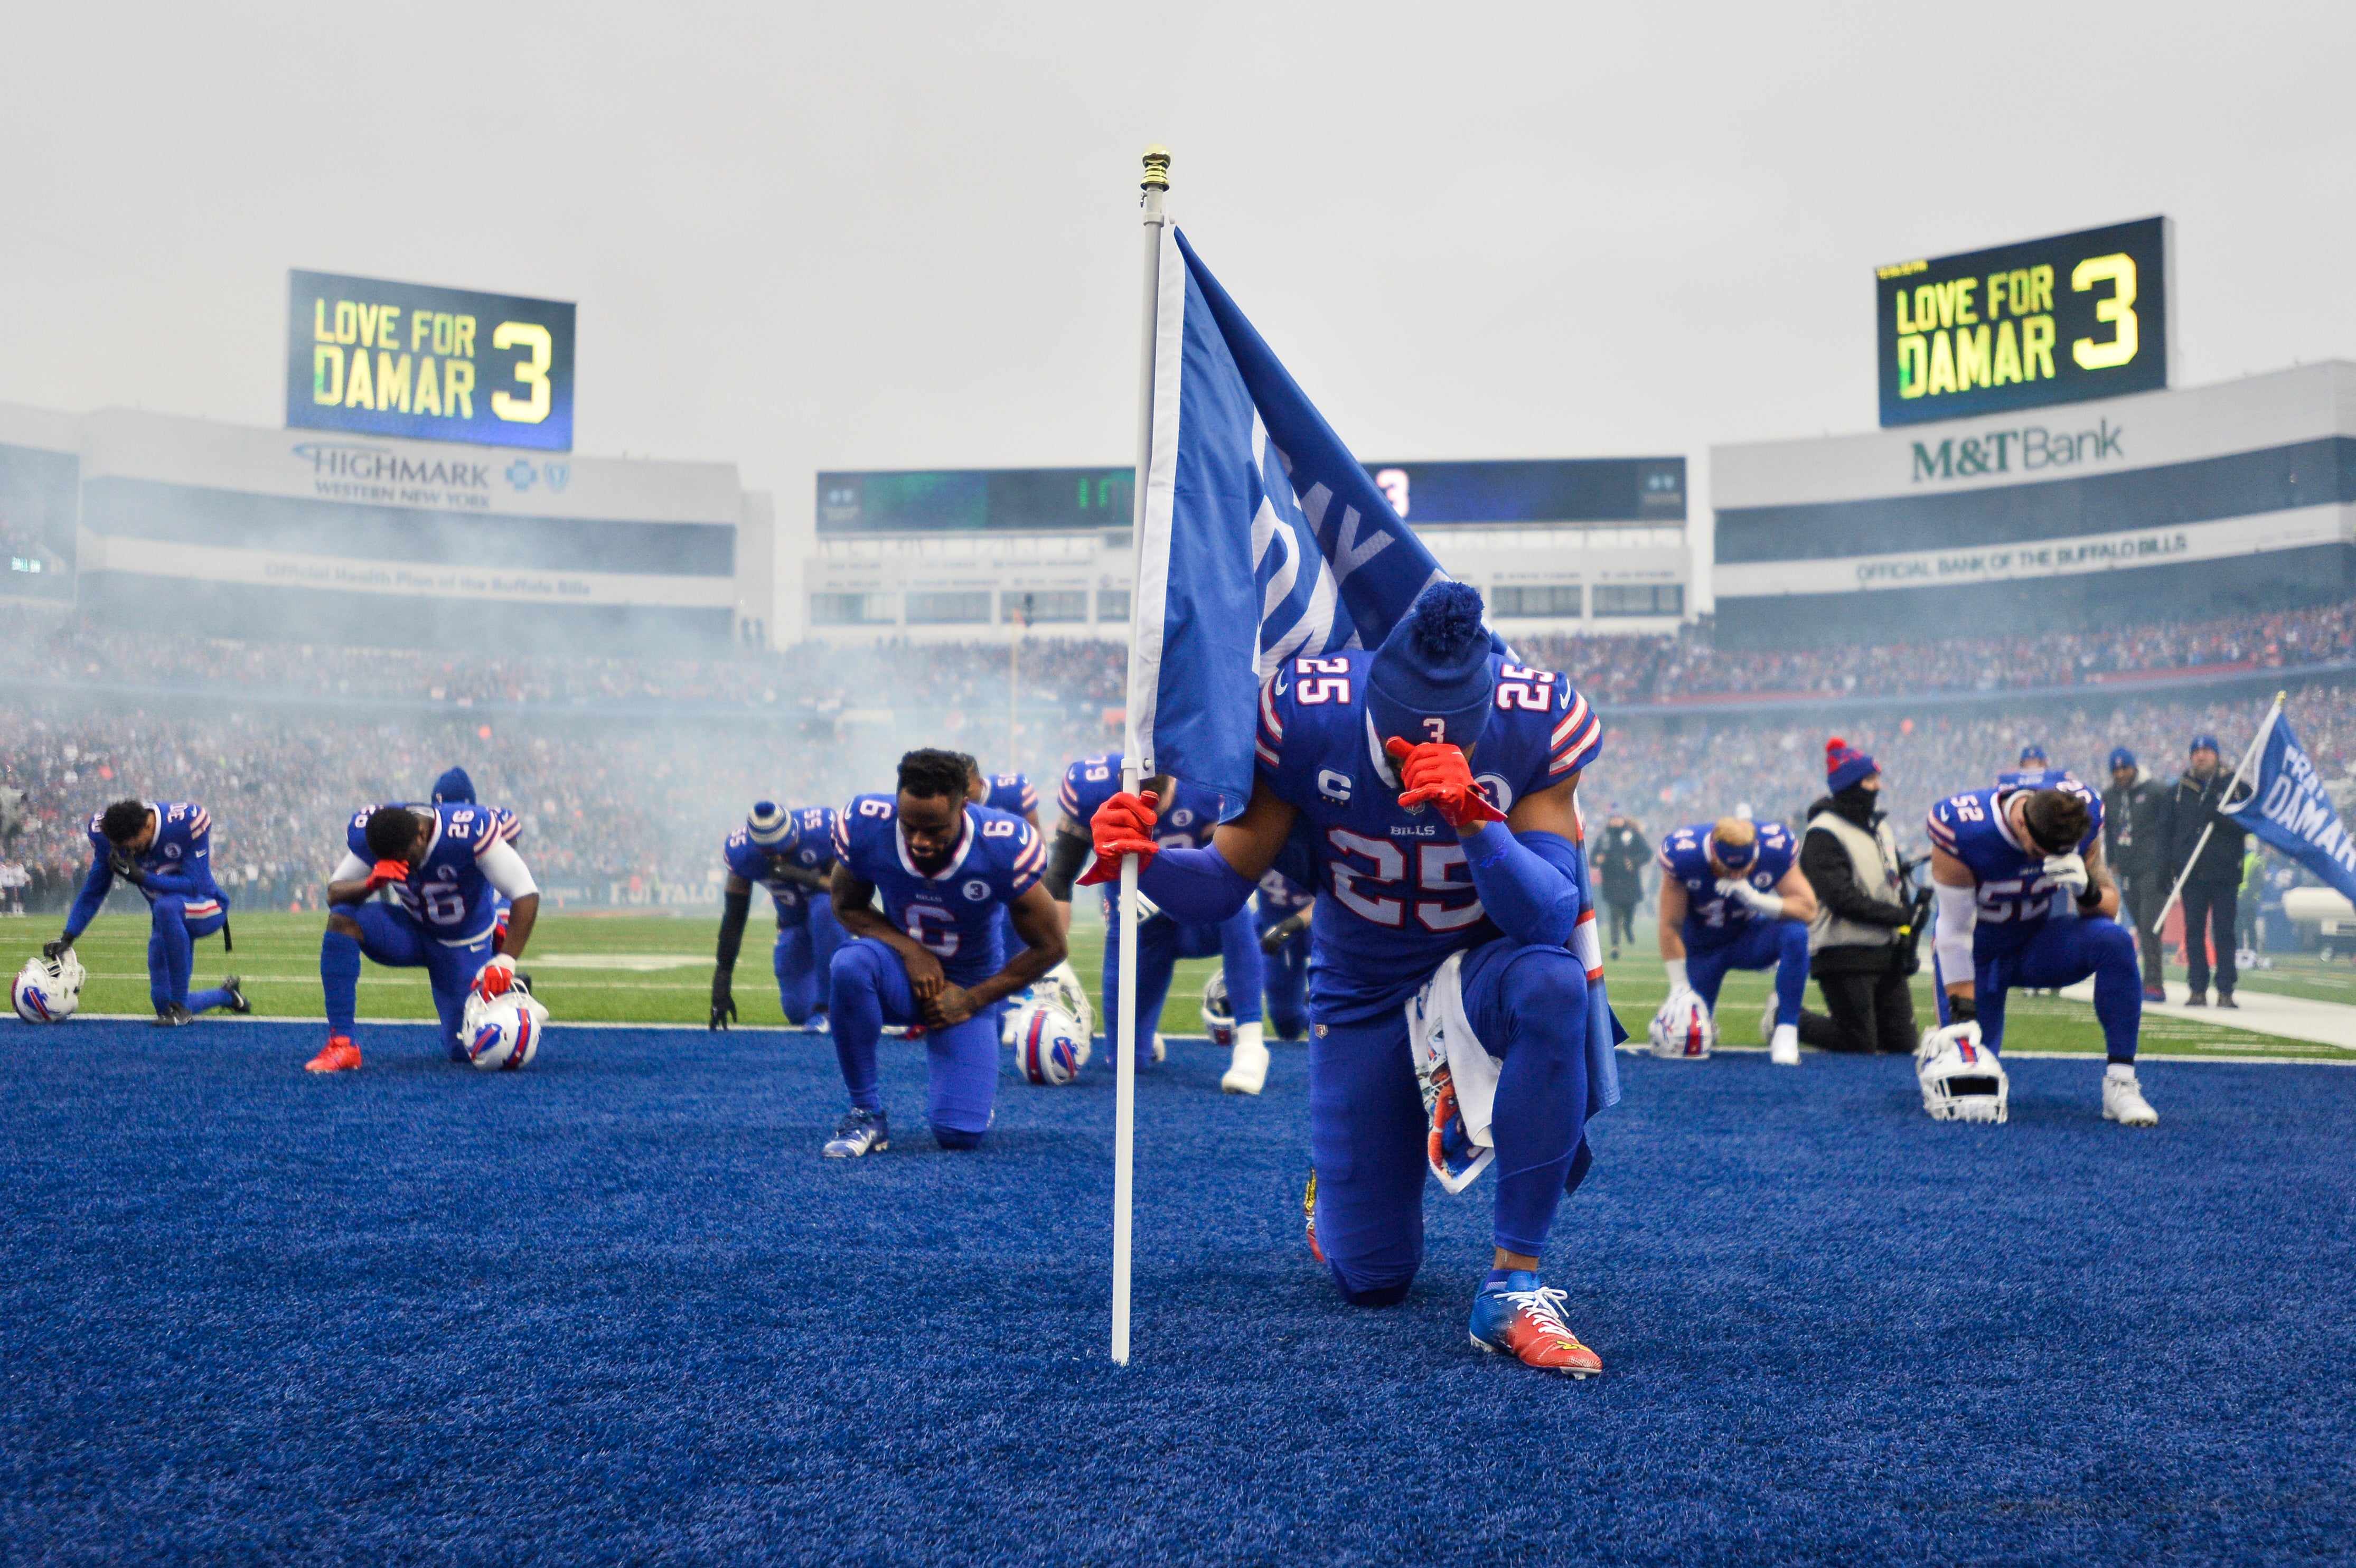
1263	538
2289	810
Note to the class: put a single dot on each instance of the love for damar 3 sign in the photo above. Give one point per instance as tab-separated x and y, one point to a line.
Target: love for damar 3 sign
432	364
2047	322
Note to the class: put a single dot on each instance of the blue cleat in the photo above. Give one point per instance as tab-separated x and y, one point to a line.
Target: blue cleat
860	1131
1519	1316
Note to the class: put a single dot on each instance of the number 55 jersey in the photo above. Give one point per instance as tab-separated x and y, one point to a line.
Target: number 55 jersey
1398	897
2015	896
951	913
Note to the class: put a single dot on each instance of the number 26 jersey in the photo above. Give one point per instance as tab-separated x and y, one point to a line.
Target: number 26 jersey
1399	896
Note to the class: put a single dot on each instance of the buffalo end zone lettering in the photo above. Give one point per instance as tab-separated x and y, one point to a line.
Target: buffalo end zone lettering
2059	320
435	364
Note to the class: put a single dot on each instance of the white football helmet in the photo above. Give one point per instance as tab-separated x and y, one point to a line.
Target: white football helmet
1218	1016
1048	1046
1962	1080
47	990
504	1033
1683	1030
1061	986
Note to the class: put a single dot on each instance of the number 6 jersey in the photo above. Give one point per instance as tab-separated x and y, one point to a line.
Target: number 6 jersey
953	912
1400	898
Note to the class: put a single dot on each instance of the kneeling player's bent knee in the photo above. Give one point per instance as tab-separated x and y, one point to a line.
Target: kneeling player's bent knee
2112	942
859	964
1546	985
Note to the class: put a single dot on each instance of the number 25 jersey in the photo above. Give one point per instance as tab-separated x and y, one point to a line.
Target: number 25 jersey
2015	896
951	913
1400	897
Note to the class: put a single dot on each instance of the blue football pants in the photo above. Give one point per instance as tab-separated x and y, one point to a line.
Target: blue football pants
1778	945
172	936
804	958
868	988
2064	952
1287	984
391	936
1367	1129
1160	943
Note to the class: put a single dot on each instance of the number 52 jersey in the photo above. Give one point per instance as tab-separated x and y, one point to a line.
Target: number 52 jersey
1401	899
951	913
2015	896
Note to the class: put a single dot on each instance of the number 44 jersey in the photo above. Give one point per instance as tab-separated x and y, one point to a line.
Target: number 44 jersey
2015	896
951	913
1399	897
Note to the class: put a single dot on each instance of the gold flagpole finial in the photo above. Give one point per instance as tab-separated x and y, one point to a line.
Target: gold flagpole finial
1157	168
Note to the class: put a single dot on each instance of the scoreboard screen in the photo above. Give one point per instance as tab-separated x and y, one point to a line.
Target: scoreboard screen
939	501
2046	321
433	364
1546	489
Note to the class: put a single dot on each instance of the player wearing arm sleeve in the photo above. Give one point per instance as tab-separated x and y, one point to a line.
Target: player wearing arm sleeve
2001	861
1733	898
448	865
791	854
1396	768
1185	818
944	869
164	851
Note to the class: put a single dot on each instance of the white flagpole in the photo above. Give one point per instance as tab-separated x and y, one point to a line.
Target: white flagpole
2248	756
1156	185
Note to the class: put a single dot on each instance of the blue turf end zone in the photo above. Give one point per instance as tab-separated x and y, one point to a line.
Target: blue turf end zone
615	1309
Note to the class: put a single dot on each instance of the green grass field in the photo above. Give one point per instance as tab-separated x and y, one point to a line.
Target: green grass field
657	969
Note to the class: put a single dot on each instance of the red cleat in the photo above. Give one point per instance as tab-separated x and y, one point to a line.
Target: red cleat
338	1055
1521	1318
1309	1213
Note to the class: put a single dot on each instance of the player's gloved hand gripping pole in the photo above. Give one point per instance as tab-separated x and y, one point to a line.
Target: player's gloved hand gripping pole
1193	887
1528	882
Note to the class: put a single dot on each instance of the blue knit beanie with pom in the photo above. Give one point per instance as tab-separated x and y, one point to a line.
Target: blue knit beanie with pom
1434	666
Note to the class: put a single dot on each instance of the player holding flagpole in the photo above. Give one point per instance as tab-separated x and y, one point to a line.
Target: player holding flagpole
1431	895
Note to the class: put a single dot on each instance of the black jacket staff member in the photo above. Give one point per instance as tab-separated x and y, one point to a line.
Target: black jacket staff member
1862	947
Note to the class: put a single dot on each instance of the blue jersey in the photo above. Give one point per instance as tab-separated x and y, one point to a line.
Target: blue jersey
2015	896
809	844
2031	779
447	890
1279	897
178	862
1395	897
1685	857
952	913
1185	820
1011	793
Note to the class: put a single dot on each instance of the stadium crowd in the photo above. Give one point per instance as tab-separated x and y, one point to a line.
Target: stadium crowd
824	678
624	809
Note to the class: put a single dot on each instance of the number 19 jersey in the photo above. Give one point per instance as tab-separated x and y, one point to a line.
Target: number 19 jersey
951	913
1400	898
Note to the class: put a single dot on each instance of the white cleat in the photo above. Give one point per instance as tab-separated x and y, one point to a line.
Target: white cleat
1248	1066
1784	1048
2123	1100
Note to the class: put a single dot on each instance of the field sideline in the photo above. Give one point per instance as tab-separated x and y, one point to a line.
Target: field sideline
657	969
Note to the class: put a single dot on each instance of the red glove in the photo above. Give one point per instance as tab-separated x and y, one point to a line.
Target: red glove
1438	772
386	872
496	977
1122	825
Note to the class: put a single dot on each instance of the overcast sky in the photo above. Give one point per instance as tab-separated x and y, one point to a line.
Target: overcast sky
868	236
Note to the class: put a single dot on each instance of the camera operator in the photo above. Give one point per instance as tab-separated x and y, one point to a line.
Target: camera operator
1862	945
1621	857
